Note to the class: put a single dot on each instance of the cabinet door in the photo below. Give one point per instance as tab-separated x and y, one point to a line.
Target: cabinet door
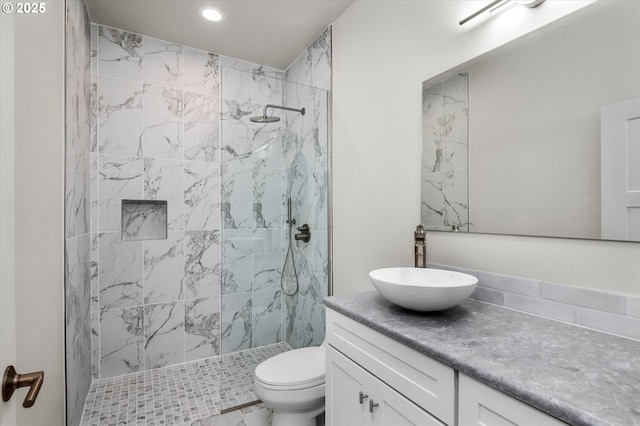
482	405
344	382
396	410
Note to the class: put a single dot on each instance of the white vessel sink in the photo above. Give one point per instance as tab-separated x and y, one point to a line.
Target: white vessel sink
423	289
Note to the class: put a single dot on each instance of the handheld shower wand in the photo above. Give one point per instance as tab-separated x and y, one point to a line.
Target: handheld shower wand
291	223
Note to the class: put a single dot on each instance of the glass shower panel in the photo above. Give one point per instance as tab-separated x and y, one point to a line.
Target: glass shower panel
262	165
305	162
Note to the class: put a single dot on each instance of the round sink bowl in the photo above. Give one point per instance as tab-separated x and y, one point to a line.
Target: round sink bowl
423	289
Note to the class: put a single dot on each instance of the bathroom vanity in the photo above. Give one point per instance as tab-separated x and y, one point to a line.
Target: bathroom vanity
474	364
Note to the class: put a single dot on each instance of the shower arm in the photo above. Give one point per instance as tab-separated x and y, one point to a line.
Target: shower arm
301	110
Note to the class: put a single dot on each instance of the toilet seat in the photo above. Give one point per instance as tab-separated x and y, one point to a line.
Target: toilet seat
296	369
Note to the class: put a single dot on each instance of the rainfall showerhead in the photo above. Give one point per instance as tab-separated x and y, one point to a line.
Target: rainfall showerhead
272	119
265	119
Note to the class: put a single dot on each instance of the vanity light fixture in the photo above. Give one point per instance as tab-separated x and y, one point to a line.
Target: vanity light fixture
497	3
211	14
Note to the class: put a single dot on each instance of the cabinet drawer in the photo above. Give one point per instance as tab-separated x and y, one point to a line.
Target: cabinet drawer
482	405
428	383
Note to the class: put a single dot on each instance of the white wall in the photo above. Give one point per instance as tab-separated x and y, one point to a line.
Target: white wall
382	52
33	221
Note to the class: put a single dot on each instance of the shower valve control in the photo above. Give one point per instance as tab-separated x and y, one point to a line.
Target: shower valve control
304	233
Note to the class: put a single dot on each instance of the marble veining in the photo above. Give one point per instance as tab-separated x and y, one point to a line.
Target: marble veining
237	131
144	220
163	180
266	318
202	264
267	197
201	73
164	269
163	122
445	140
201	196
202	328
305	180
162	62
119	53
267	259
201	127
78	178
171	123
121	341
236	261
236	322
313	67
305	322
164	334
237	197
119	178
580	376
121	270
120	116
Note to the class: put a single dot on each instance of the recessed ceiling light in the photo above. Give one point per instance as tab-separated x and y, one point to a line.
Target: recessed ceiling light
211	14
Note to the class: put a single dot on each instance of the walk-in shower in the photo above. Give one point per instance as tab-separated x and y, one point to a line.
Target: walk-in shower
167	327
272	119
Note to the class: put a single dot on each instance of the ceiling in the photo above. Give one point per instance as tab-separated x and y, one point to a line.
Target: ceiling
266	32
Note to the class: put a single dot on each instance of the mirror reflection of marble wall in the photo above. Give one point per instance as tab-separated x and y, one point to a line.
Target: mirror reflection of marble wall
445	123
534	111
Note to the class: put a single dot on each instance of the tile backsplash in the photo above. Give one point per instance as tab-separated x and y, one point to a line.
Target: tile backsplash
603	311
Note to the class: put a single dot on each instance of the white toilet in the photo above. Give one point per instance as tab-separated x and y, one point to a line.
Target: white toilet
292	383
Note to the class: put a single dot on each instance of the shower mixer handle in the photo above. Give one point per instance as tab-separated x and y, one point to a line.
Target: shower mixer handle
304	234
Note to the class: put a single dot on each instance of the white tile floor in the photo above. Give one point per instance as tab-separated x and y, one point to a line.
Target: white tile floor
191	394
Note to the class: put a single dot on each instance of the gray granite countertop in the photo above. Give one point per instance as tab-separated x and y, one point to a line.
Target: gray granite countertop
580	376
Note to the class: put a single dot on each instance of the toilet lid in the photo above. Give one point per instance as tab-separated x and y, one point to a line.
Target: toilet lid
299	367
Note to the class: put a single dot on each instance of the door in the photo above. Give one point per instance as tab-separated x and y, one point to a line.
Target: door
347	387
620	145
31	209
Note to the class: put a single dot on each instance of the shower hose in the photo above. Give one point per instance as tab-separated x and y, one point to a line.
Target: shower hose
291	222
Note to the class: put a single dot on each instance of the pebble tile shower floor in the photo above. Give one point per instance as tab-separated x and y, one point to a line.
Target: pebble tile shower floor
190	394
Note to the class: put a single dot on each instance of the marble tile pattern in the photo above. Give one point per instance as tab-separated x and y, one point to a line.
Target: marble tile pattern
444	180
313	67
236	373
582	377
305	146
188	394
77	208
602	311
155	123
172	124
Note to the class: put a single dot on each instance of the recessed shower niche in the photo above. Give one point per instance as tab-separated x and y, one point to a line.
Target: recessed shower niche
144	220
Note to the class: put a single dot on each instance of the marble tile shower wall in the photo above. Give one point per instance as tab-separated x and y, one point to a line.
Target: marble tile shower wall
445	122
212	286
77	243
252	206
306	164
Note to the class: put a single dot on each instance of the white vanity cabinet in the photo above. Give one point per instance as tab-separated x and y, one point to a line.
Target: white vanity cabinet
372	379
410	388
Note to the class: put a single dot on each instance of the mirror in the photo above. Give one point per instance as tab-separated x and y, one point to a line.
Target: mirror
512	138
